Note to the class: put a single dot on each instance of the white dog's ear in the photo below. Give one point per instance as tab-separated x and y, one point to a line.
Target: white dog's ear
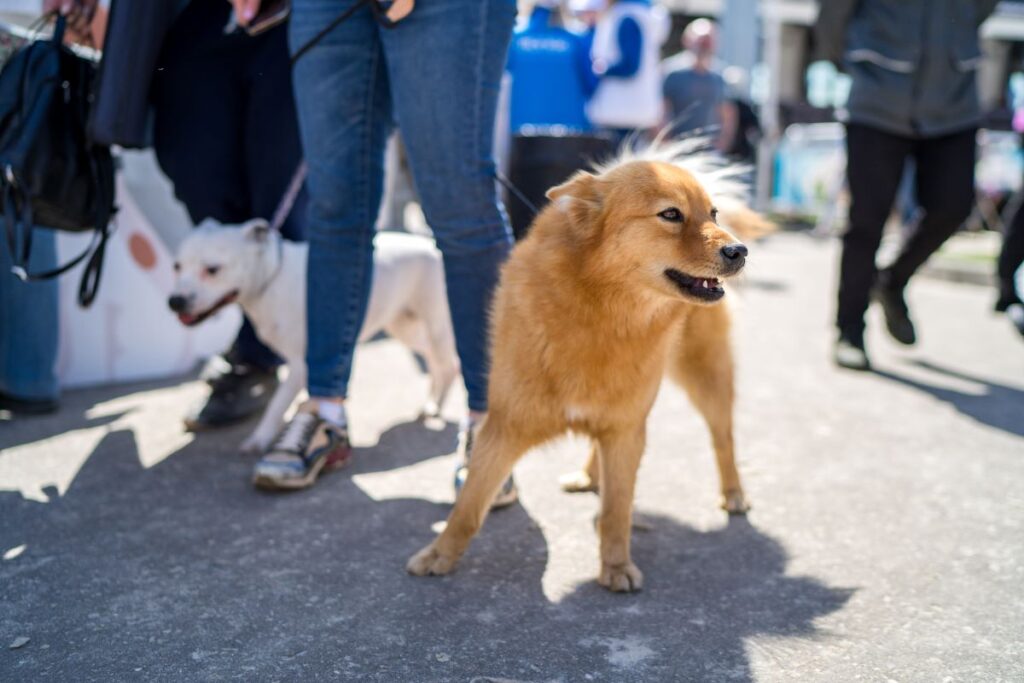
579	197
256	230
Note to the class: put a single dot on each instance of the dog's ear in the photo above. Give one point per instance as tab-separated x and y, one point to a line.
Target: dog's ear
579	197
256	230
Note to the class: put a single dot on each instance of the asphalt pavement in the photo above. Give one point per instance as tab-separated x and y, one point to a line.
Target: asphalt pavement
886	540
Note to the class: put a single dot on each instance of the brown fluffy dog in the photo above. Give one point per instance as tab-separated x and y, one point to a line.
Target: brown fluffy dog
617	283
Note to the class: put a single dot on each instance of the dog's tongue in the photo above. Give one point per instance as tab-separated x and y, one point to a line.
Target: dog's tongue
186	319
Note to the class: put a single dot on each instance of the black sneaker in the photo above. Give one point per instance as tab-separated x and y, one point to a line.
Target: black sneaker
22	407
849	353
237	391
508	493
897	316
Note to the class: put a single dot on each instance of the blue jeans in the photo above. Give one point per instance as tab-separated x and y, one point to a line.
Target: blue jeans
28	323
437	75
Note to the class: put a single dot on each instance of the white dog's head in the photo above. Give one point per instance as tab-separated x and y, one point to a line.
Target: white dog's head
218	265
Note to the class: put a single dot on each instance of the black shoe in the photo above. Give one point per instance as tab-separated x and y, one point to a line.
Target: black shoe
849	353
237	391
21	407
1007	297
897	317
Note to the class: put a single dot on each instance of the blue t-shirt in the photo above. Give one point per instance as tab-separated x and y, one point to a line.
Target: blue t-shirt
552	77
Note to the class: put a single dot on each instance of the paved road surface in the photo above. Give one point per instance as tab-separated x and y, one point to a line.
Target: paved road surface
886	542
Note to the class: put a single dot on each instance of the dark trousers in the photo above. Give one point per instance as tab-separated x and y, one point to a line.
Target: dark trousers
1010	259
944	189
225	129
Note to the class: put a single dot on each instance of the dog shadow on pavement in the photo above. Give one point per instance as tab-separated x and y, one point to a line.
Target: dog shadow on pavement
183	570
997	405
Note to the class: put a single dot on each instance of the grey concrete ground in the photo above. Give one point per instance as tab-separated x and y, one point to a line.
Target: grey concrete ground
886	542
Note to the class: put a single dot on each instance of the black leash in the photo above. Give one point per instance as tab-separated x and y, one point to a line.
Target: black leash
516	192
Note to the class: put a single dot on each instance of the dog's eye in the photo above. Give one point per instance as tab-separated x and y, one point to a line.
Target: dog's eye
672	215
212	270
714	215
177	267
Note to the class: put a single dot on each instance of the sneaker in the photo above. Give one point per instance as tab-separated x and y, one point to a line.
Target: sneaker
21	407
1015	312
897	316
508	493
850	354
307	447
237	391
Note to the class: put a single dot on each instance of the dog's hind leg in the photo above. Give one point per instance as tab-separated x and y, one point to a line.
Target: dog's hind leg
496	450
586	479
701	363
619	457
442	363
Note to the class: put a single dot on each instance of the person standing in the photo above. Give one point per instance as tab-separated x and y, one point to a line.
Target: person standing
694	89
626	55
436	74
913	95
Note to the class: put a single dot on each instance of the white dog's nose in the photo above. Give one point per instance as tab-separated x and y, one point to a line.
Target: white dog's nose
178	303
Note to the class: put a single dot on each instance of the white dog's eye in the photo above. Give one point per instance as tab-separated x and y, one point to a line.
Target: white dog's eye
177	267
212	270
672	215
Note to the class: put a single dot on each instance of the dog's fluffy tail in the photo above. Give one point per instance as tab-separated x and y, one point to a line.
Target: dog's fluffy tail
727	182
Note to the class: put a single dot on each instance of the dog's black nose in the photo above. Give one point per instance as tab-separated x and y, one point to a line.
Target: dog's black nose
734	253
178	303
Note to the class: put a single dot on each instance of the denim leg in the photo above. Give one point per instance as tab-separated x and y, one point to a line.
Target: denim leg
28	323
341	90
445	63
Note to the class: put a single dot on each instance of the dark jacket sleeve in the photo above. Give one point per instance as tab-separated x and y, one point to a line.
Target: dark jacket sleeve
830	29
135	34
985	9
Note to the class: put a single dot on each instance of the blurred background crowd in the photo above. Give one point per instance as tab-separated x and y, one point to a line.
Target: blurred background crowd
756	79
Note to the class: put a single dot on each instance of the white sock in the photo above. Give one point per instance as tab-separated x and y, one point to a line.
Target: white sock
333	412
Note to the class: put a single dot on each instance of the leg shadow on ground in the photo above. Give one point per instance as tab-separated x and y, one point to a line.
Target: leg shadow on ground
996	405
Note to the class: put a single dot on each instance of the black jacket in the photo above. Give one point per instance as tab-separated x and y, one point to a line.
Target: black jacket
912	62
135	34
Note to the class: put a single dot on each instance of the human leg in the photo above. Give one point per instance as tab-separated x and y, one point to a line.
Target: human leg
874	166
29	331
445	63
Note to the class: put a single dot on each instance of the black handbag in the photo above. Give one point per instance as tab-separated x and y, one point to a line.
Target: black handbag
51	173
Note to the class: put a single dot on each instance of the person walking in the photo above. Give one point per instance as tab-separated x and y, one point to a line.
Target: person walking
436	74
626	55
215	104
913	95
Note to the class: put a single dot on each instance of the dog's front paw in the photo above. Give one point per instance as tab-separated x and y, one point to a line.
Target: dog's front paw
621	578
735	502
577	482
255	444
430	562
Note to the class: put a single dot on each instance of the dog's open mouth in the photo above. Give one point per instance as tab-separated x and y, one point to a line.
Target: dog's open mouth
703	288
191	319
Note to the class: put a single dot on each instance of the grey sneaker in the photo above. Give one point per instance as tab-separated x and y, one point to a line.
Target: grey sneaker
305	448
508	493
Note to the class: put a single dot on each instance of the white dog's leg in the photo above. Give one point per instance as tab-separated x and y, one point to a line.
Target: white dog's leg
413	332
273	416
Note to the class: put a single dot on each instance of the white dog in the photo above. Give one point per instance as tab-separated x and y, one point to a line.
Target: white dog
253	266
